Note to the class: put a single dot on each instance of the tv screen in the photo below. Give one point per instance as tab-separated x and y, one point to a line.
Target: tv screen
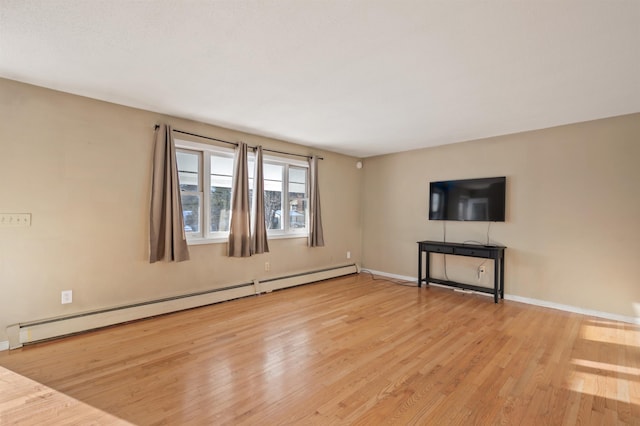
469	199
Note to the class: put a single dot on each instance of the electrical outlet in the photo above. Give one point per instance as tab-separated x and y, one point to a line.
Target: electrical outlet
66	297
481	270
267	266
348	255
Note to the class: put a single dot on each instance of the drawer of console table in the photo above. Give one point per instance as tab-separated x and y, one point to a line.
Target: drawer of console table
437	249
472	251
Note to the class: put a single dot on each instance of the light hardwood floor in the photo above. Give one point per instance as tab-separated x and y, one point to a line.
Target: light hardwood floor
346	351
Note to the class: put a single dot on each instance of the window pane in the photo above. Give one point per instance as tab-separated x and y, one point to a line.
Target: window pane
273	171
273	195
297	197
191	212
222	165
297	174
220	208
188	169
220	195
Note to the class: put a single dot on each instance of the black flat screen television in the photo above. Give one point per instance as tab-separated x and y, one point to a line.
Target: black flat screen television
469	199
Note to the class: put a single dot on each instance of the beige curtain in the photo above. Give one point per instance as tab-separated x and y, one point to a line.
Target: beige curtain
167	239
259	242
316	237
240	227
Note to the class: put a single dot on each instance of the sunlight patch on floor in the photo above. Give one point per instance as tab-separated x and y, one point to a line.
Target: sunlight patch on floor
600	385
600	331
606	367
605	364
26	401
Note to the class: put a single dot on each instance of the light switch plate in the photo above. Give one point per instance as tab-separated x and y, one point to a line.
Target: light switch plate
13	220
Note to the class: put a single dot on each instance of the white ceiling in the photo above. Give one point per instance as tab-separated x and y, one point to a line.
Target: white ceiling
361	77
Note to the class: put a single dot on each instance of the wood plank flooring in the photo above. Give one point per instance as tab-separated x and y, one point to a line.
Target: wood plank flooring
352	350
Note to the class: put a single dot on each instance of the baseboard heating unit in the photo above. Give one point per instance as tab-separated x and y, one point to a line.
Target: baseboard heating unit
36	331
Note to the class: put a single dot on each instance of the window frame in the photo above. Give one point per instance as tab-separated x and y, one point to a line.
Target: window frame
205	151
208	234
287	231
199	192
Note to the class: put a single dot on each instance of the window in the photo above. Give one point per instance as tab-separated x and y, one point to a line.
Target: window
208	167
273	185
285	197
189	165
220	179
298	197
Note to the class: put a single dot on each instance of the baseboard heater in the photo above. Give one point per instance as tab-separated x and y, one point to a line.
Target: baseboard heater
36	331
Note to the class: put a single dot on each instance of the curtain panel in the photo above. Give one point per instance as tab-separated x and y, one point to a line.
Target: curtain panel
240	226
259	242
316	235
167	239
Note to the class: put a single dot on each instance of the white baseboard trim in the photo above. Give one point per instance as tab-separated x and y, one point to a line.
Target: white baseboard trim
415	281
528	301
49	328
4	345
388	275
574	309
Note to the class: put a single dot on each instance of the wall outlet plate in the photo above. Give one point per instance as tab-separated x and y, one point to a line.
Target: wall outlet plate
66	296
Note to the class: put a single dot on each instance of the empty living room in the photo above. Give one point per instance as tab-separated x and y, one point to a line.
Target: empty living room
322	212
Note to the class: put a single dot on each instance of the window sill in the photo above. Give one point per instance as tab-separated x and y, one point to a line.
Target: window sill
194	241
289	235
199	241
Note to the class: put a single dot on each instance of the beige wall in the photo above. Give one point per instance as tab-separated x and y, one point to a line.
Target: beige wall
82	168
573	214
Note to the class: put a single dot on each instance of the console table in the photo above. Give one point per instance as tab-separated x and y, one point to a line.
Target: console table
473	250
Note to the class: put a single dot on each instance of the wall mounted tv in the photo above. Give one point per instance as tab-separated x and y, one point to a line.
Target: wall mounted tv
469	199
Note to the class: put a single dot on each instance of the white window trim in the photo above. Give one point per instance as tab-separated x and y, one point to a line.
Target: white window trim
208	237
288	232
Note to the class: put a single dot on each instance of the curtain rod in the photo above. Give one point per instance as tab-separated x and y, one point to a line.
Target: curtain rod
236	143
